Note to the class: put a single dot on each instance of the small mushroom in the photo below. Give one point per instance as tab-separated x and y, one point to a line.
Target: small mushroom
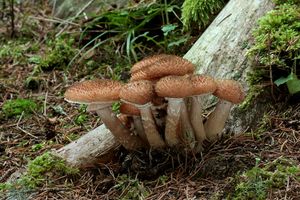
99	96
134	112
229	92
146	62
159	111
203	85
175	89
140	94
167	65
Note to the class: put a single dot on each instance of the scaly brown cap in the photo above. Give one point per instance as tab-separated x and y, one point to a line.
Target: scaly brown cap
174	87
94	91
138	92
203	84
146	62
169	65
230	90
129	109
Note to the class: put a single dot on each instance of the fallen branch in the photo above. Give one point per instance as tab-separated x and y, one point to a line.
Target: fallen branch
95	146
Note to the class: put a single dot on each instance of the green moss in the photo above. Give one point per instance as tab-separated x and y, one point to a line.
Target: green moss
80	119
12	51
42	168
58	55
5	186
199	12
279	2
276	48
276	42
40	171
131	188
254	79
16	107
255	183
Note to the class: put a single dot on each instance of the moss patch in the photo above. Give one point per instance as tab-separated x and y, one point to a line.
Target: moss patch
199	12
58	55
41	170
131	188
41	167
277	46
16	107
255	183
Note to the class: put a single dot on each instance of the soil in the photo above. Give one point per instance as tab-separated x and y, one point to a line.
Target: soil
164	175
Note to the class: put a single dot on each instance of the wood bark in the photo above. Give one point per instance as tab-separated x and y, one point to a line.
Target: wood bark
95	146
219	52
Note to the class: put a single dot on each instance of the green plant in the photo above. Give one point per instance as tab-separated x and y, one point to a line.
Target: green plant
38	146
255	183
131	188
133	30
278	2
58	55
16	107
199	12
277	45
12	51
80	119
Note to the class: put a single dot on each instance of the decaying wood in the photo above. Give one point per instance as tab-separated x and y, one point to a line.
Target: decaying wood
90	148
219	52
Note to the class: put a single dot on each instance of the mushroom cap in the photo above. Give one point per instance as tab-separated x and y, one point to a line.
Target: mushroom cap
184	86
145	62
93	91
174	87
129	109
168	65
138	92
230	90
203	84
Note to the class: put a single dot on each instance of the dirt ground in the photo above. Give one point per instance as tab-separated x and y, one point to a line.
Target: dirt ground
215	174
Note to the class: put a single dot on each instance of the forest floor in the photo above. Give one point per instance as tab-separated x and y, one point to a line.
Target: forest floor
260	164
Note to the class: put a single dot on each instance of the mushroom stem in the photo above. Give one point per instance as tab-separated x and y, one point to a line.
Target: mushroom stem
196	119
138	125
151	132
216	120
110	120
188	130
172	120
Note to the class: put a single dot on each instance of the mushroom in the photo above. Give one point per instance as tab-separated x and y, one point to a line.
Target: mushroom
174	89
147	62
134	112
203	85
99	95
229	92
167	65
140	94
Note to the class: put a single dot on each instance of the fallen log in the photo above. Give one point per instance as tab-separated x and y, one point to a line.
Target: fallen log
219	52
95	146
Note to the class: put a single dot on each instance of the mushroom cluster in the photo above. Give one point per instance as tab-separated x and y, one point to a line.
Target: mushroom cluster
154	111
